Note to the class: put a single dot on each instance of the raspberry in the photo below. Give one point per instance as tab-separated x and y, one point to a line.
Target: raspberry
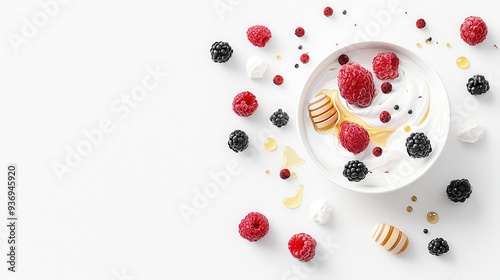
328	11
377	151
356	84
385	117
386	87
254	226
355	171
299	31
259	35
473	30
353	137
278	80
343	59
302	246
244	104
420	23
304	58
438	246
285	174
459	190
385	66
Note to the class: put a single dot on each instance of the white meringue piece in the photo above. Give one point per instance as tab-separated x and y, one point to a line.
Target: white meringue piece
471	131
256	67
320	211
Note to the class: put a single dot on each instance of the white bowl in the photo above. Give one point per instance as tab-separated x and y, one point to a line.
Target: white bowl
418	88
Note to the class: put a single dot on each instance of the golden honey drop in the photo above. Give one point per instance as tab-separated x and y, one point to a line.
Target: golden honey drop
291	158
448	45
463	62
270	144
419	45
413	198
432	217
293	175
278	57
294	201
268	172
409	209
407	128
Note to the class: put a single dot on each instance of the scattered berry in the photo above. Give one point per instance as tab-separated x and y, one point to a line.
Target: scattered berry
420	23
477	85
473	30
285	174
428	40
356	84
245	103
279	118
385	66
299	47
410	111
459	190
385	117
377	151
344	12
386	87
259	35
238	141
343	59
304	58
278	80
302	246
438	246
328	11
418	145
254	226
296	65
396	107
299	31
353	137
221	52
426	231
355	171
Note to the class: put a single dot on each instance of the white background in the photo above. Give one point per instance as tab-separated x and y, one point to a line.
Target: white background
115	213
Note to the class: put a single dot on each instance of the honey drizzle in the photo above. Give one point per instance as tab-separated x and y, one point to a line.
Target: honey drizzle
379	136
294	201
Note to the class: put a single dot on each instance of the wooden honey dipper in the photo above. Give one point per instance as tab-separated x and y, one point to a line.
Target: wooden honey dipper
323	113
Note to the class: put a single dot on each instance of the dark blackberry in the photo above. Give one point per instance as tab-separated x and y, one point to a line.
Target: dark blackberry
221	52
355	170
459	190
238	141
438	246
418	145
477	85
279	118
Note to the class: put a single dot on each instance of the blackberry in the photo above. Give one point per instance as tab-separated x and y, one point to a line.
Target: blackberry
355	170
238	141
438	246
221	52
418	145
477	85
279	118
459	190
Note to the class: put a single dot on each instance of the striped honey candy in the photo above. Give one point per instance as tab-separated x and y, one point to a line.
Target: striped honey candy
390	238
